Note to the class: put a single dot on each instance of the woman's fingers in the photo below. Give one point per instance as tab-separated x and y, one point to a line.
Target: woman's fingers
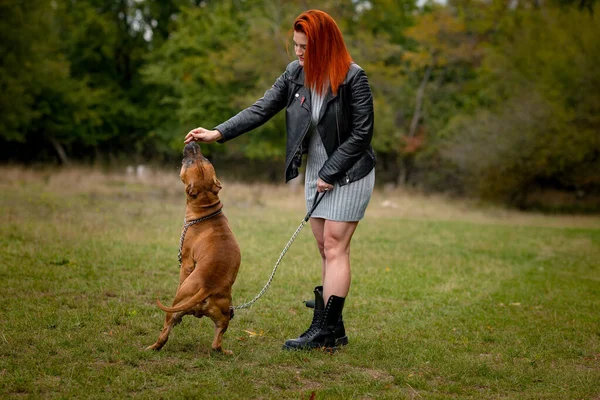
202	135
195	135
323	186
189	137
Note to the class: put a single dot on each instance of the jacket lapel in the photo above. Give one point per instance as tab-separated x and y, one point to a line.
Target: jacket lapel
328	98
299	79
303	91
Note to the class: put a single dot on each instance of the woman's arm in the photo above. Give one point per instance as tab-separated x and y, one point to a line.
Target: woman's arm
273	101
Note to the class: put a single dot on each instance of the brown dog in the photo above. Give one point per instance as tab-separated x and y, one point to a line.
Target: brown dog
210	256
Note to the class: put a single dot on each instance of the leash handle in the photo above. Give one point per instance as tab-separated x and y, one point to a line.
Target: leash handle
316	202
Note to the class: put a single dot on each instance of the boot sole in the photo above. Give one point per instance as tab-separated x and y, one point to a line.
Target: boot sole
324	348
339	342
343	341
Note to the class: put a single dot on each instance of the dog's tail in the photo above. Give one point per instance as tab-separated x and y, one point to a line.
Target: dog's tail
194	301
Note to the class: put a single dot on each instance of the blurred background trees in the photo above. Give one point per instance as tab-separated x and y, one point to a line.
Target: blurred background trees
496	99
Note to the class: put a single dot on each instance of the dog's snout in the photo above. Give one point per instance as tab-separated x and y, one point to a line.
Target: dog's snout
191	150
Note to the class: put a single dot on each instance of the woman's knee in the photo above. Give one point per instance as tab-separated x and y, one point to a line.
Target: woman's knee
334	248
321	247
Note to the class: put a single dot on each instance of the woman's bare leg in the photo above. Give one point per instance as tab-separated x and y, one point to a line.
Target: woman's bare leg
318	227
333	240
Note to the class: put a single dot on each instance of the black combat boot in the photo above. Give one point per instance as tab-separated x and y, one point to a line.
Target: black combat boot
318	313
321	333
340	332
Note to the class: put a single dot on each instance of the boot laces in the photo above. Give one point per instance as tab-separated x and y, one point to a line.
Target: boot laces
315	325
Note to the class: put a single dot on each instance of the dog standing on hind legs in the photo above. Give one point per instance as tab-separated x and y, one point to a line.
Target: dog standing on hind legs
210	255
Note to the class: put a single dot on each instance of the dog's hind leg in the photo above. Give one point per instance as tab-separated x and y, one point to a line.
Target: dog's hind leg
219	312
171	319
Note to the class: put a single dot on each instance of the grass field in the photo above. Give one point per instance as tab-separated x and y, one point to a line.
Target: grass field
450	299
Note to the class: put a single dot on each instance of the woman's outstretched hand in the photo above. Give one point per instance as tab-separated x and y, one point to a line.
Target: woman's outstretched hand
202	135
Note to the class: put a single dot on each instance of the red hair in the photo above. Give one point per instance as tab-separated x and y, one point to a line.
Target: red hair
327	59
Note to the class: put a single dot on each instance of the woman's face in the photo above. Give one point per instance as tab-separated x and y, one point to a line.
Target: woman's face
300	41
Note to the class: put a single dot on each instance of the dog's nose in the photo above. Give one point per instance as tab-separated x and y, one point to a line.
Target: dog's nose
191	150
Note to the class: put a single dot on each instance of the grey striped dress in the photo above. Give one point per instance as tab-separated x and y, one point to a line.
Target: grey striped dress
342	203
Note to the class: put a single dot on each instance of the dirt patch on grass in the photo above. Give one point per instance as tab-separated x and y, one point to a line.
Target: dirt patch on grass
376	374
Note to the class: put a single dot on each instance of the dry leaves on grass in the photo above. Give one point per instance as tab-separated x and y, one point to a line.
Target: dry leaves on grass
254	334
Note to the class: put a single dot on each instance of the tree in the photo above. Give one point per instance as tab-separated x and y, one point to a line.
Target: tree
39	98
445	50
539	126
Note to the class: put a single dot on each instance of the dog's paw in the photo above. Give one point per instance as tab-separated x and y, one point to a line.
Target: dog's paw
155	347
223	351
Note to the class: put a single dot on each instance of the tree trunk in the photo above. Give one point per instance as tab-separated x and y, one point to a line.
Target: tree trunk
407	160
419	102
60	151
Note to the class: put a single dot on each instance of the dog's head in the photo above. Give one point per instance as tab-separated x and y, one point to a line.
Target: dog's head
199	177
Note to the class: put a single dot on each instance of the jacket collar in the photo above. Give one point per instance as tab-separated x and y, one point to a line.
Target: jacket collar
297	73
297	77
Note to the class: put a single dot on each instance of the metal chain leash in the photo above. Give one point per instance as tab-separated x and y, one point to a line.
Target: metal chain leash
186	225
285	249
266	287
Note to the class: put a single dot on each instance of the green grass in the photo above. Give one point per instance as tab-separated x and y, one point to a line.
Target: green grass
449	300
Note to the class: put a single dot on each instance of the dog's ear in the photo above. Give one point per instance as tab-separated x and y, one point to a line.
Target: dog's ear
191	190
216	185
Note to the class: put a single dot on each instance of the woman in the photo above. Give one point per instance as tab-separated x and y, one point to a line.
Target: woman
329	115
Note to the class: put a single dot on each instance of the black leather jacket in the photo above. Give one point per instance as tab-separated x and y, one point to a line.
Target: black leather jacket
345	123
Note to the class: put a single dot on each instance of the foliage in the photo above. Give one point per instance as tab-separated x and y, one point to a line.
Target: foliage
41	101
457	86
543	128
